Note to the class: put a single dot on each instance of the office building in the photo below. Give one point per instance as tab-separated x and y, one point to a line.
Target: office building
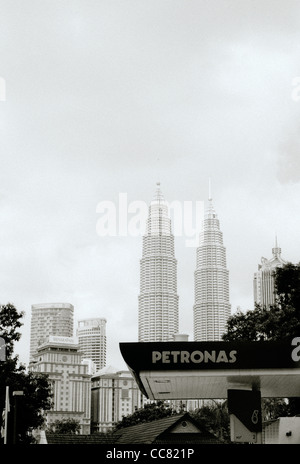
91	335
50	319
263	282
158	299
212	307
60	358
114	394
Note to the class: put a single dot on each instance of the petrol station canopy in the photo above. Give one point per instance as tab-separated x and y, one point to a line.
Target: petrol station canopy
195	370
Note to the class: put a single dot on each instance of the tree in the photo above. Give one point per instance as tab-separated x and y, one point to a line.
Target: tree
65	426
274	407
215	418
150	412
9	325
287	283
36	388
280	321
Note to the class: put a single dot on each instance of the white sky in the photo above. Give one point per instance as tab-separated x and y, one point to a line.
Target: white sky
104	97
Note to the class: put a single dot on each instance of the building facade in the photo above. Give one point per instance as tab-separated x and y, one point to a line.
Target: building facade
91	334
114	394
212	306
61	359
263	282
50	319
158	317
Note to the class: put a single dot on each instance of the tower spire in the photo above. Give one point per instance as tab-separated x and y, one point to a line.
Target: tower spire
210	212
209	189
158	196
276	251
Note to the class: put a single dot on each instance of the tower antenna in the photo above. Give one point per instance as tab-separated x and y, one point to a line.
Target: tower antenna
209	188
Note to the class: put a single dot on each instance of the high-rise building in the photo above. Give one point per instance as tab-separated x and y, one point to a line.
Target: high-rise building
61	359
263	282
91	335
212	307
114	394
50	319
158	299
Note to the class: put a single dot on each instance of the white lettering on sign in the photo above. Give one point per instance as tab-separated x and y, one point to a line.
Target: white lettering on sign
254	417
296	351
195	357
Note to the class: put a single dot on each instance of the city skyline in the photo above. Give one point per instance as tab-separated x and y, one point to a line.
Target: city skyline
109	97
191	330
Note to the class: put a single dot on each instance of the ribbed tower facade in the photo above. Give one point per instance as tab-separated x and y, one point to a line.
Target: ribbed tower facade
212	307
50	319
91	335
158	299
263	282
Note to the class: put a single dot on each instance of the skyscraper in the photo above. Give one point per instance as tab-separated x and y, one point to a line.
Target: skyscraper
158	299
212	307
91	335
263	282
50	319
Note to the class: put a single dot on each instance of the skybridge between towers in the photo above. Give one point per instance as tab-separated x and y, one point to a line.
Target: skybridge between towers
241	372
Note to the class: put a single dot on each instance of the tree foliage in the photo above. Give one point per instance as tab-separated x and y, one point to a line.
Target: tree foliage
150	412
280	321
215	418
287	283
36	388
10	323
65	426
275	407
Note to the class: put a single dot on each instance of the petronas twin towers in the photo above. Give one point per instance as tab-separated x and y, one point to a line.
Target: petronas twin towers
158	299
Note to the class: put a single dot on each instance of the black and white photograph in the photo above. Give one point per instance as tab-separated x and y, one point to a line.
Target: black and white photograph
150	225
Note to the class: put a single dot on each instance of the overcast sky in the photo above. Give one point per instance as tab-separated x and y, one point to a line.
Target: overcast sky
109	97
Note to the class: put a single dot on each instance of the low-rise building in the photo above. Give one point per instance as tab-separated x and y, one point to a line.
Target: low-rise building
114	394
61	359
